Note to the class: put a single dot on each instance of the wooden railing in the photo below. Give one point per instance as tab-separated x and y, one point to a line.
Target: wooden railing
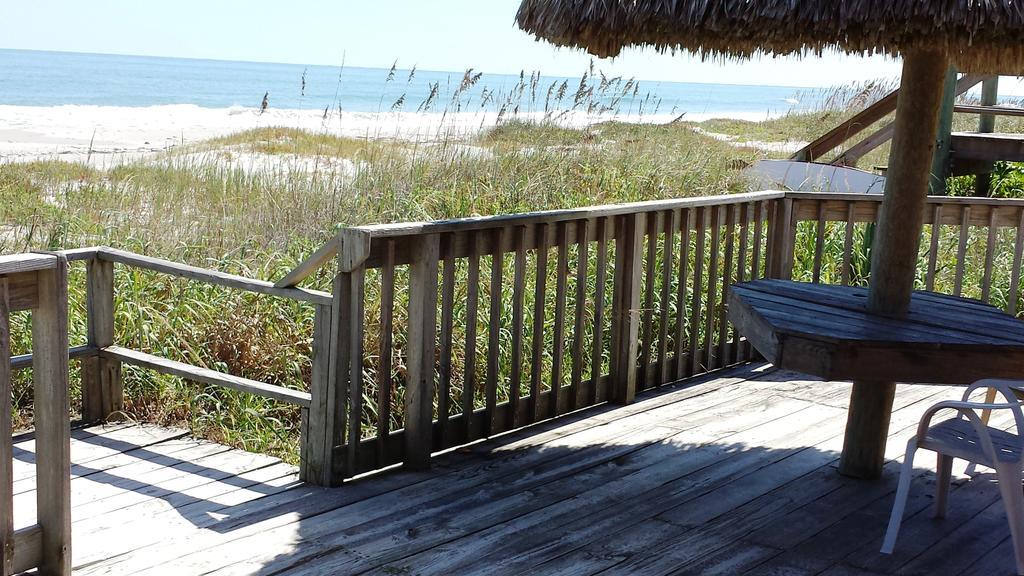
971	246
836	137
37	282
102	358
480	326
437	334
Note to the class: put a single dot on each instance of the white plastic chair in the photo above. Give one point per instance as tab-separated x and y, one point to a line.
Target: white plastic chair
967	437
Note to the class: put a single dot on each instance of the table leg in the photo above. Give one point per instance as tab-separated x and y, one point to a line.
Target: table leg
867	426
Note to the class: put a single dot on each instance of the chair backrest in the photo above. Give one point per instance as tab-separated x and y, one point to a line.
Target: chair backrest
1012	392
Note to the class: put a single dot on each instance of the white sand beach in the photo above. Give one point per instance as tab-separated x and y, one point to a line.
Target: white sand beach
108	135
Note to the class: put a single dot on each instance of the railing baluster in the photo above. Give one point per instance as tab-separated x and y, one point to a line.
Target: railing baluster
539	310
990	250
494	328
847	271
518	289
357	295
447	313
723	322
597	351
668	255
558	337
695	302
755	267
384	366
712	291
582	263
961	253
629	236
1018	252
739	350
685	223
650	265
759	233
933	250
419	388
819	242
472	305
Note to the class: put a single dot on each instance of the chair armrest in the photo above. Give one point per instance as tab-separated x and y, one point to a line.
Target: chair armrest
968	411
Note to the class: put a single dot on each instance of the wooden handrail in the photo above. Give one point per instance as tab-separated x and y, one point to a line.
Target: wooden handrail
211	276
22	361
406	229
993	110
866	117
205	375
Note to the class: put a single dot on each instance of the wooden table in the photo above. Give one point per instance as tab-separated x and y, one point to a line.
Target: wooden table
826	331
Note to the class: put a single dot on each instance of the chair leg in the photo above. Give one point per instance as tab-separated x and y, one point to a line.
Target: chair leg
1009	477
900	504
943	475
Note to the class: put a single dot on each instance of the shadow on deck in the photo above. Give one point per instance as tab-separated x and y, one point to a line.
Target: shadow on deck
728	474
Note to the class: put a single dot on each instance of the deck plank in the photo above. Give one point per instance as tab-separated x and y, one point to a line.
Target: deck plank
396	525
659	472
731	473
716	513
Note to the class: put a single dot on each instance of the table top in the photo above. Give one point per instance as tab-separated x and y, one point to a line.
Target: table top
826	331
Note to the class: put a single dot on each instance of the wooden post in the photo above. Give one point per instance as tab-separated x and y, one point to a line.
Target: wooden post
325	423
940	159
102	389
320	430
6	447
987	125
896	243
52	421
422	342
629	238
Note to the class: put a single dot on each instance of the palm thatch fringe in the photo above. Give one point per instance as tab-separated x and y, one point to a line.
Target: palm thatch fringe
977	35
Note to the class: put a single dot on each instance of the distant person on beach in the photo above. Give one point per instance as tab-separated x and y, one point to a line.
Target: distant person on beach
266	102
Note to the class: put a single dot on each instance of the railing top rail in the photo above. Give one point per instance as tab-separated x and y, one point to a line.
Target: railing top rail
363	234
29	262
551	216
199	274
854	197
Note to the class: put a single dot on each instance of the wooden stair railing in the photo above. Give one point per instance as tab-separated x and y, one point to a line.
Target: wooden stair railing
860	122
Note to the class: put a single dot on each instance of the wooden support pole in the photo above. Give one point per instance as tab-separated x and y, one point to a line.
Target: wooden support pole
896	243
629	238
987	125
867	426
422	343
940	158
52	421
102	389
898	236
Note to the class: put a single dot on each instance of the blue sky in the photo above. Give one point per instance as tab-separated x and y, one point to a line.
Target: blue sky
432	34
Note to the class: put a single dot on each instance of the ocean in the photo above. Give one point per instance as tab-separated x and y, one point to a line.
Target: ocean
37	78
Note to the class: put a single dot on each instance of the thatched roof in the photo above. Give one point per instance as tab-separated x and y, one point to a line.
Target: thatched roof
979	35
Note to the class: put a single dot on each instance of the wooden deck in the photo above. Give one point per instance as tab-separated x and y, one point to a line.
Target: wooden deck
733	474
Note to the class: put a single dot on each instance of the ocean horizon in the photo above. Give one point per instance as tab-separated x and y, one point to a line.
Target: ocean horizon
41	78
